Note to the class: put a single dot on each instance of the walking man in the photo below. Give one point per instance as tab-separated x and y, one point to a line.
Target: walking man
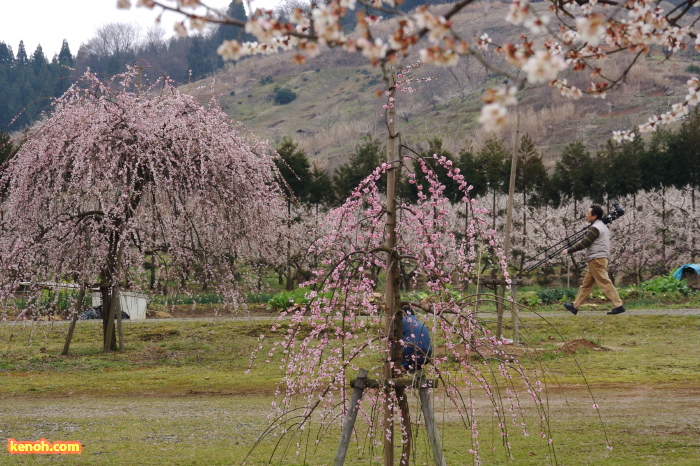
597	246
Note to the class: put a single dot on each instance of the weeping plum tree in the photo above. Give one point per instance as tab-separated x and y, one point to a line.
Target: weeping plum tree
324	344
122	169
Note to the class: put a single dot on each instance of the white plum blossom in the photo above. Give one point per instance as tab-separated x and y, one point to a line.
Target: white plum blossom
590	28
493	116
537	24
692	97
231	50
620	136
180	29
570	92
568	36
373	50
543	67
197	23
484	41
518	12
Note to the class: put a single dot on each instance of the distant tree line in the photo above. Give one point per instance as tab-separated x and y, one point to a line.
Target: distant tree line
28	82
669	159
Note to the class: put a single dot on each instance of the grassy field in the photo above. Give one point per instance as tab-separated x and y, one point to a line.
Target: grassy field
178	394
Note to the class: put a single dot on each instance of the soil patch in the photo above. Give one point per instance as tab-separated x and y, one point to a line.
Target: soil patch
575	346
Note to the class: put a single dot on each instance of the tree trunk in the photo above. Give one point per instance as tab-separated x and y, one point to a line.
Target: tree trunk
392	318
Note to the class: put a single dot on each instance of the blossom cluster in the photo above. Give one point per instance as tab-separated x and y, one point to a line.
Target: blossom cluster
678	111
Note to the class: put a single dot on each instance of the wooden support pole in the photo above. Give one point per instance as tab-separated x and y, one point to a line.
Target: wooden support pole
74	319
433	434
499	286
500	293
120	330
406	434
509	221
403	382
350	417
515	312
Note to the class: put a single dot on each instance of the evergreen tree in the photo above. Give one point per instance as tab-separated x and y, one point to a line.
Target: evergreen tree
295	169
65	58
531	176
656	162
625	171
7	57
469	167
38	59
22	58
321	188
6	147
602	166
198	61
113	66
684	148
236	10
493	163
574	173
368	155
61	69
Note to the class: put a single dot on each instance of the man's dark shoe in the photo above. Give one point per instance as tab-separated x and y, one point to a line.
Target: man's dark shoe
570	307
617	310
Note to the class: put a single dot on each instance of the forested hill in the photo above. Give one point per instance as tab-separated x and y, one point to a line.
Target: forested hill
28	79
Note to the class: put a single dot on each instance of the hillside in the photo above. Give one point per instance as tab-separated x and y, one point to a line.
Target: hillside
337	101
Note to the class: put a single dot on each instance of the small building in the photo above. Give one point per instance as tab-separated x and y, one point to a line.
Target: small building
134	304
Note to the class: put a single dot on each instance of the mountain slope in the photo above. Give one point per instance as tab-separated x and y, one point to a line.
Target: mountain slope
337	99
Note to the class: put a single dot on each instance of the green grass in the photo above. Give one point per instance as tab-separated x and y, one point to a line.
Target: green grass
179	394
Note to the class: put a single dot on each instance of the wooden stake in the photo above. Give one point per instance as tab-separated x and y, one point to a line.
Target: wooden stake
74	319
433	434
350	418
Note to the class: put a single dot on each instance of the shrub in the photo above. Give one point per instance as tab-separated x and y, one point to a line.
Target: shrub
555	295
265	80
666	284
286	299
177	299
261	297
530	299
693	69
284	96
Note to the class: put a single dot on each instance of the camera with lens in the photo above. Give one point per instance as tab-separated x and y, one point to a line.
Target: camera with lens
615	214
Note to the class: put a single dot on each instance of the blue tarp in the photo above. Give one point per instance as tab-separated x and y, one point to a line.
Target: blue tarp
418	349
678	274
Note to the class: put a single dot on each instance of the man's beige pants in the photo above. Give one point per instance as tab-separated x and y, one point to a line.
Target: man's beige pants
597	274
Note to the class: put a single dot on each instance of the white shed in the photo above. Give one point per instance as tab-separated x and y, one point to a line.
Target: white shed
134	304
